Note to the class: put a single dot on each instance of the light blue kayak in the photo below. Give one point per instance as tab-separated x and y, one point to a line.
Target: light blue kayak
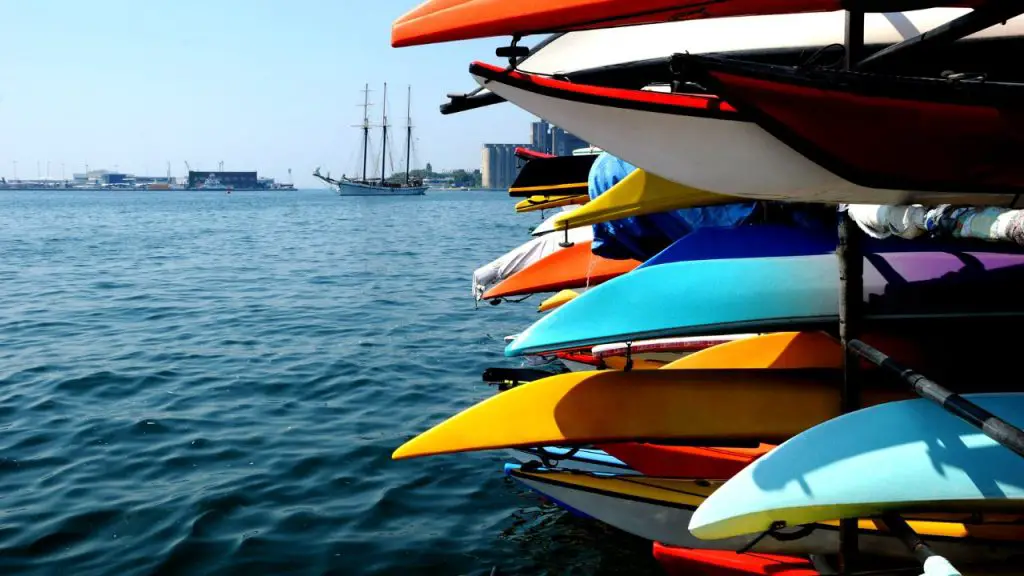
771	294
908	456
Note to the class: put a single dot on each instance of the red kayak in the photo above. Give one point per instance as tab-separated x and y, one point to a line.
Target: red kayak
530	154
450	20
678	561
581	357
881	131
573	267
685	461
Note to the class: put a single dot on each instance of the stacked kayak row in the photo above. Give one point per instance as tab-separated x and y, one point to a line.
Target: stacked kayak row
692	306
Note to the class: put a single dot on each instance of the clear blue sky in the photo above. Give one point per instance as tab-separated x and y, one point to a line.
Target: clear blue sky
259	84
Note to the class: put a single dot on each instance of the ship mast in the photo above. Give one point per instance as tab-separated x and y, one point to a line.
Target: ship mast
366	126
408	136
384	139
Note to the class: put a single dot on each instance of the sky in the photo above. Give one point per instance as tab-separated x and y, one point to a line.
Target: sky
262	85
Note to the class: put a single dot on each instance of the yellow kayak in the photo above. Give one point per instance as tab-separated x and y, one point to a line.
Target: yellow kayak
733	394
762	389
637	194
545	202
557	300
702	407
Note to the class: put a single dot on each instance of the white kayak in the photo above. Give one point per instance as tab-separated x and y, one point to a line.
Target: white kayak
661	350
659	509
522	256
697	141
588	49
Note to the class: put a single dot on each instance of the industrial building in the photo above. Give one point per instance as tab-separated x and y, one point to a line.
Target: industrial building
236	180
540	136
498	165
563	143
553	140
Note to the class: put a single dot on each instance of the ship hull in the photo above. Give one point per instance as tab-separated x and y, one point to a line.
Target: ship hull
359	189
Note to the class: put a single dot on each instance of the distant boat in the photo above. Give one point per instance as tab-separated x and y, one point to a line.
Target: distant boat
364	187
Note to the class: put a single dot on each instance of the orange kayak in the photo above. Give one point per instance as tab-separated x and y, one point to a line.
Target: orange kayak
450	20
573	267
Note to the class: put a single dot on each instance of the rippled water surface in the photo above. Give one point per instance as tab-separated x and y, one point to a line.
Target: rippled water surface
204	383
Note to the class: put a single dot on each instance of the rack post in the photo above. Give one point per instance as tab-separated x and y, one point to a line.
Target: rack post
851	293
851	297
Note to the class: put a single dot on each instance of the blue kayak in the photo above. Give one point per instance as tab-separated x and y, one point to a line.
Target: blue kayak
744	295
777	240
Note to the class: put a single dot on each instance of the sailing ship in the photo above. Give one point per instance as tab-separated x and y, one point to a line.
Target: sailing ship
379	187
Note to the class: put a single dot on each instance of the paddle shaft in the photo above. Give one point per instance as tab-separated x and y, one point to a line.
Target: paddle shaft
900	529
993	426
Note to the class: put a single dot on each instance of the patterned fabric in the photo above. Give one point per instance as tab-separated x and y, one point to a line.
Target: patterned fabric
945	221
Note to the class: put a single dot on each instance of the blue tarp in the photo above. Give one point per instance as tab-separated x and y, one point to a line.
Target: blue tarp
641	237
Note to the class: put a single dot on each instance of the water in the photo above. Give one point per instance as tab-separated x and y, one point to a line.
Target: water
203	383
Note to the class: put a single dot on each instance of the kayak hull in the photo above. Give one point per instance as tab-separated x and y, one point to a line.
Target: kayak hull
909	456
572	267
790	293
658	509
678	137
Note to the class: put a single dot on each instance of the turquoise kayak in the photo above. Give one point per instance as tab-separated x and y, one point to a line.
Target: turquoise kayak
744	295
905	457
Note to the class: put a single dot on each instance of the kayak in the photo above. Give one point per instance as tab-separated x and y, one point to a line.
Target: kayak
777	386
685	461
548	225
678	561
572	267
782	293
530	154
658	509
557	300
750	404
701	407
638	194
557	175
909	456
522	256
879	131
451	20
697	140
656	353
581	459
595	55
578	360
542	202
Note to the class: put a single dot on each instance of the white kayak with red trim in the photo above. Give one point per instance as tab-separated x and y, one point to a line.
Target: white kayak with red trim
696	140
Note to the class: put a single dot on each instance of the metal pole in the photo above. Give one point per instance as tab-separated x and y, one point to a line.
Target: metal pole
384	138
851	291
408	137
991	425
851	295
366	126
